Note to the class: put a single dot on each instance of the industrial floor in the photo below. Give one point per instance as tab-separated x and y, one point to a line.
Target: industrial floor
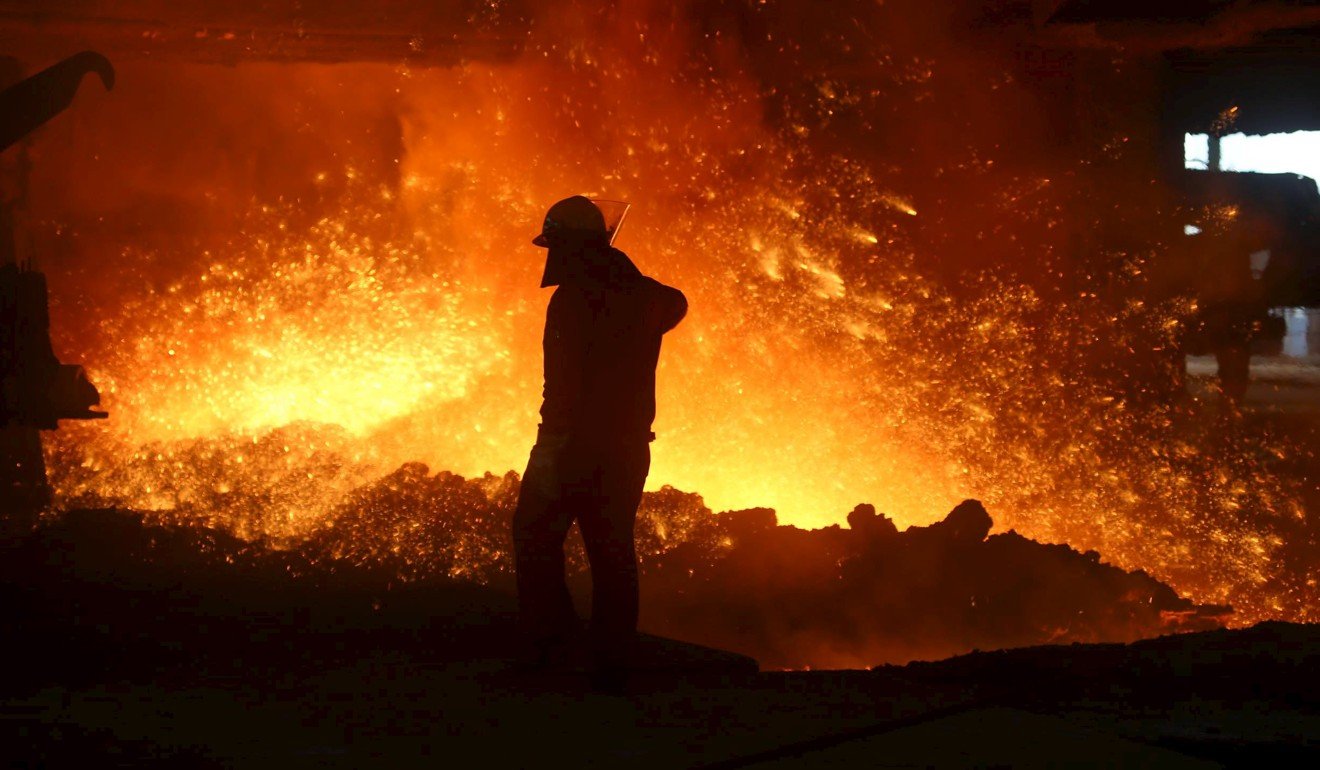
116	663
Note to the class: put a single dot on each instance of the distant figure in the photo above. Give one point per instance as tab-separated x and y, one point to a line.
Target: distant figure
1231	310
592	452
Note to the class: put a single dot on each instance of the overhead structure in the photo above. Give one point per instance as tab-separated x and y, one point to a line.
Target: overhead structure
1201	12
36	390
422	32
1269	86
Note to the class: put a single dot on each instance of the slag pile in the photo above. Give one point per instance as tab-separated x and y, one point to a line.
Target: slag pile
843	597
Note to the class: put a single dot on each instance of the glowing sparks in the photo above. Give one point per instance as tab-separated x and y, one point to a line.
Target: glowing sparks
335	329
898	204
818	367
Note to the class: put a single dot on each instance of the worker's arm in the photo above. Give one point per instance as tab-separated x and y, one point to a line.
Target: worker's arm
667	306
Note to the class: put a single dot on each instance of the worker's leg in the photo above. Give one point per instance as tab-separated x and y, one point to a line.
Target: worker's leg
607	525
540	523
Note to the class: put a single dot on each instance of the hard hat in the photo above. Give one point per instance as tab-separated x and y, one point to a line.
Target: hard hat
577	215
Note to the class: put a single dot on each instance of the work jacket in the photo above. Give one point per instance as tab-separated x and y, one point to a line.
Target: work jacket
602	342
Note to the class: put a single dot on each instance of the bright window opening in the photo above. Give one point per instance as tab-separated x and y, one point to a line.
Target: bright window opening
1196	150
1295	153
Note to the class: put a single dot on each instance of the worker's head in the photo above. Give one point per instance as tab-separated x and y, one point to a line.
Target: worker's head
572	227
572	220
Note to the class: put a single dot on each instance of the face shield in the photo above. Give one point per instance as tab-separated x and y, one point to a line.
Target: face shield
614	212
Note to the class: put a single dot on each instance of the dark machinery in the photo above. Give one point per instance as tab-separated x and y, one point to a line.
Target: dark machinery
36	390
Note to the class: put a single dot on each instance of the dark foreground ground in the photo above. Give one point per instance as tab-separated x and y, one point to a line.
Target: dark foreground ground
218	661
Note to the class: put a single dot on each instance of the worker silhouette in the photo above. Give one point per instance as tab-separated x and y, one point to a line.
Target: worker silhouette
1231	305
592	453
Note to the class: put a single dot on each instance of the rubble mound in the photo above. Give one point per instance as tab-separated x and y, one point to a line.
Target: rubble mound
834	597
416	552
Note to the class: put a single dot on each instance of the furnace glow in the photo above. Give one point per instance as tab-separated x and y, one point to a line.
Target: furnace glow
820	367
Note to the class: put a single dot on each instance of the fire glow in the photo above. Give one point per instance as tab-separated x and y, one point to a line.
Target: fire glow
395	317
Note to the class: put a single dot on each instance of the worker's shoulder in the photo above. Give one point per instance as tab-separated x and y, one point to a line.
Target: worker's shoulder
664	291
665	304
647	283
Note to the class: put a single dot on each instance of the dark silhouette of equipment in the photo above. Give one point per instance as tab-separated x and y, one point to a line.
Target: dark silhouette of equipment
36	390
30	103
